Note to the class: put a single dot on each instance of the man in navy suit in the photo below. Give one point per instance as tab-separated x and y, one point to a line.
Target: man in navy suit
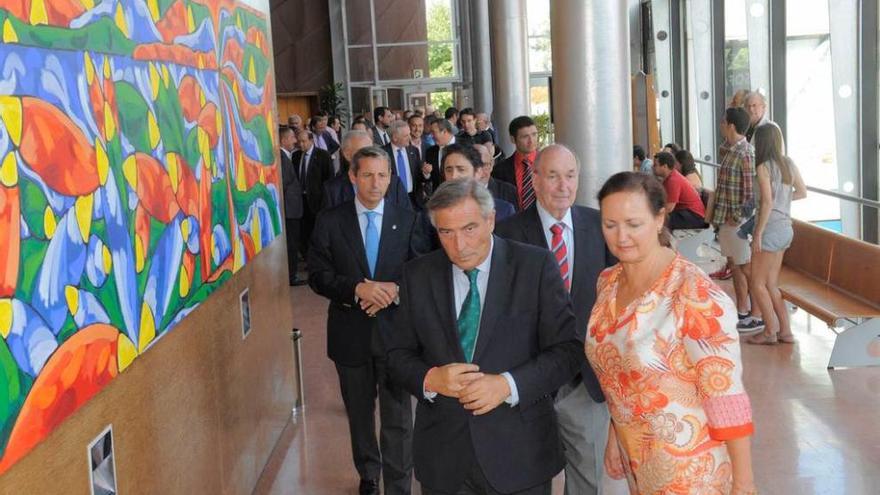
406	163
574	235
356	259
340	189
293	203
483	338
465	162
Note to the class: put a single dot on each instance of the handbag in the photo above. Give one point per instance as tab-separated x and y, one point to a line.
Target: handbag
747	228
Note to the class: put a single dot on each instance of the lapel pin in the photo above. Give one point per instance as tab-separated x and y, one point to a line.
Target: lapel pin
394	227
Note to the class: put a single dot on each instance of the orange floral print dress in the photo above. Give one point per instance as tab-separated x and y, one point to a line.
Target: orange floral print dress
670	367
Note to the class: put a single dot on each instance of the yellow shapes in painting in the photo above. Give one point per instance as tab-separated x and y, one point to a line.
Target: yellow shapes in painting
190	20
90	68
107	259
71	294
256	230
83	209
126	352
148	328
166	76
140	254
129	171
6	313
102	162
153	7
119	17
153	128
10	114
38	13
50	223
173	165
155	78
9	171
9	34
240	176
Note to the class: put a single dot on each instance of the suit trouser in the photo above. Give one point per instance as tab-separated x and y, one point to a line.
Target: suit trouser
292	232
307	225
583	426
685	219
476	484
359	387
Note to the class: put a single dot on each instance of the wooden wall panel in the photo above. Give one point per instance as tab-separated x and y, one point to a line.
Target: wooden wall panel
199	412
301	40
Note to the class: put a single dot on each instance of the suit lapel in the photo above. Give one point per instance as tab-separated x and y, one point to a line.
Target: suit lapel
444	298
534	229
495	302
390	231
351	229
582	234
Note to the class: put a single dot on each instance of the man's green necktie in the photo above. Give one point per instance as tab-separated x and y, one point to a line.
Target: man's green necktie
469	317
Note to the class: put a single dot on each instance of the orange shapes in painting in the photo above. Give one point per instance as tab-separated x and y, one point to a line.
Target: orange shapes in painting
79	369
51	12
10	211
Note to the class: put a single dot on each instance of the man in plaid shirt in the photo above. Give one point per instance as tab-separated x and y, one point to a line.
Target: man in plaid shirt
734	202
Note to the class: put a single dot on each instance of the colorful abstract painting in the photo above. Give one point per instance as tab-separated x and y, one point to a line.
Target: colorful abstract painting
137	174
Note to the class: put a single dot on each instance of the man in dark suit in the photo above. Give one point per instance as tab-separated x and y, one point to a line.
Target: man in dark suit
383	118
574	236
469	133
465	162
323	137
443	134
313	168
293	203
406	163
517	168
416	134
483	337
356	259
340	189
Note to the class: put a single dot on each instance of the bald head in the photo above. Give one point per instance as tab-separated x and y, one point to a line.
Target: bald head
354	141
755	105
556	179
485	171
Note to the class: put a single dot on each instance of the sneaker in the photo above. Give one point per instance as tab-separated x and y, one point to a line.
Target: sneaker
742	316
750	325
722	274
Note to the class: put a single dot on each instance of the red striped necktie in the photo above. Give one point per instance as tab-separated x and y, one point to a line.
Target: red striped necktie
561	253
528	191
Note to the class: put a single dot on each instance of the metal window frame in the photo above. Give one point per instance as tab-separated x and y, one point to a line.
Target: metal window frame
869	78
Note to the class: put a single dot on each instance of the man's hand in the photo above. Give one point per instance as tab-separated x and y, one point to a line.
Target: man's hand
379	294
485	394
451	379
427	168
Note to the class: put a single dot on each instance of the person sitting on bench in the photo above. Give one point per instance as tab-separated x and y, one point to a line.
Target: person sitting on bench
684	208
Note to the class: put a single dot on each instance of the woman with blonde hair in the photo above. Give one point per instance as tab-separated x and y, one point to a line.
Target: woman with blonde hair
779	183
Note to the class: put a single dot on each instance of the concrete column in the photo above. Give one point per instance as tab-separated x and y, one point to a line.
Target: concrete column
481	55
591	88
510	64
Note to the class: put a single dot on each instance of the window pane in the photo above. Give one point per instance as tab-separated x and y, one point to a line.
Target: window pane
540	59
360	102
439	20
810	103
402	62
736	49
399	21
357	18
360	64
441	60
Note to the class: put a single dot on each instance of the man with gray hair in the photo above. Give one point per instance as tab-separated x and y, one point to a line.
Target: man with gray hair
756	106
483	338
340	189
406	162
356	259
574	235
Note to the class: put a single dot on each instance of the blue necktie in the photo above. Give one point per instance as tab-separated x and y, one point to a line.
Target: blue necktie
372	241
401	169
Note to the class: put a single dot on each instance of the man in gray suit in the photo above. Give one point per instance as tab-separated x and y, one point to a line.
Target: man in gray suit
293	203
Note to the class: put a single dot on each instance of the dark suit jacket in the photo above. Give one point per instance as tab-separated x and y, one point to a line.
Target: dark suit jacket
503	190
527	329
417	196
591	256
431	155
338	262
338	190
377	139
332	145
320	170
503	210
293	196
506	171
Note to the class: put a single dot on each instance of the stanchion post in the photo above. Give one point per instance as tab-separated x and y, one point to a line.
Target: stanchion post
299	400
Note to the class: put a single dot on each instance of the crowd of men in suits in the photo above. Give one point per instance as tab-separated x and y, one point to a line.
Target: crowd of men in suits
462	278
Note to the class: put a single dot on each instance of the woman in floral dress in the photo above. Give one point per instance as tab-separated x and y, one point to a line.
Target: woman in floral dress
662	339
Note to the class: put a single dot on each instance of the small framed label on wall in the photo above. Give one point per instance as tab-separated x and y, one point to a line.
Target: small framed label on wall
245	314
102	466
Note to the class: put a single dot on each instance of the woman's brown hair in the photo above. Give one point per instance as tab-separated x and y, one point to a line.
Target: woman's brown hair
641	183
768	147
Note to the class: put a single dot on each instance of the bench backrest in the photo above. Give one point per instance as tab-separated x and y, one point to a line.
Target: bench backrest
855	268
811	250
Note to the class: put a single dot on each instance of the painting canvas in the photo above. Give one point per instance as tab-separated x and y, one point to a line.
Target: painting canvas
137	174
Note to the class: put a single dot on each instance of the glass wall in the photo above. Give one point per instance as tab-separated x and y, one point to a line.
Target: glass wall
540	56
810	103
736	49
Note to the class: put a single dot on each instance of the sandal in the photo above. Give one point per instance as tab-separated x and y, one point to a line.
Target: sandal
762	339
786	339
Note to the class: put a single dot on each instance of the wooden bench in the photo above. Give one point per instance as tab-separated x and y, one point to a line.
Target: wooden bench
836	279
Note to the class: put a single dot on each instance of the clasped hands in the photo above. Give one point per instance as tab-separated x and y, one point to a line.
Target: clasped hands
478	392
375	296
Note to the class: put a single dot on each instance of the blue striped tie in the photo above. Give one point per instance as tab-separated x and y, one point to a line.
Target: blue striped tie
401	169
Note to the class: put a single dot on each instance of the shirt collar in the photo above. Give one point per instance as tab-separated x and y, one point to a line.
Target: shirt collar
361	209
485	265
530	157
548	220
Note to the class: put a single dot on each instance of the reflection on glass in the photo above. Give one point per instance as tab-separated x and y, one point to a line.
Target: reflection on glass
403	62
810	103
357	19
736	49
439	20
360	64
441	61
538	15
